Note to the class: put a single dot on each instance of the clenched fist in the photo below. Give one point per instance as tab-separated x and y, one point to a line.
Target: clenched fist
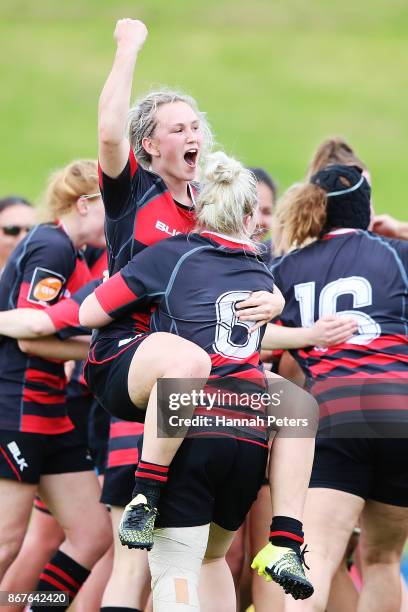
130	33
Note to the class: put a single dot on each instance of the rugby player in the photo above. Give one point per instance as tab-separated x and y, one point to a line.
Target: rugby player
166	274
349	270
17	217
146	181
39	447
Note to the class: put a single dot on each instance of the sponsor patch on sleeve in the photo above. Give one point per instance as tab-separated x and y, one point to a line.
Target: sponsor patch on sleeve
45	287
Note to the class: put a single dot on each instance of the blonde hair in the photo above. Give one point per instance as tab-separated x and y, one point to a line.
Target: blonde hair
300	216
142	121
68	184
228	194
333	150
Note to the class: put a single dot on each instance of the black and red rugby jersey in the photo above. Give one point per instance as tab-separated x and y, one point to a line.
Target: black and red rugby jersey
123	439
65	314
360	275
43	269
140	211
173	275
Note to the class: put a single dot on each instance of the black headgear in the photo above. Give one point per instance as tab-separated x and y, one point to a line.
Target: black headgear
348	196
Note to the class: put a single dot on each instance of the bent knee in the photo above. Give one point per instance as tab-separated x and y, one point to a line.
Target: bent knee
194	363
94	538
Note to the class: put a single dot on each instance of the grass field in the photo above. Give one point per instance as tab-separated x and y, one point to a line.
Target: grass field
274	76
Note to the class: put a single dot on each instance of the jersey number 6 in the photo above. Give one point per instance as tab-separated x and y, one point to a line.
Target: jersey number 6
228	326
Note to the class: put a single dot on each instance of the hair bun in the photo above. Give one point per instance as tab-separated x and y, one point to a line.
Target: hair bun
221	169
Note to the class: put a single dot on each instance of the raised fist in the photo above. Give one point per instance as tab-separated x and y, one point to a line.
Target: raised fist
130	33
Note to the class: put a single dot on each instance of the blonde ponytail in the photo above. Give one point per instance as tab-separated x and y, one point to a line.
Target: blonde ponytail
300	216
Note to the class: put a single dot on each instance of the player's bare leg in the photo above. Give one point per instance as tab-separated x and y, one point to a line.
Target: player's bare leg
265	595
42	539
383	535
329	519
343	592
73	498
129	583
289	477
16	505
216	577
161	355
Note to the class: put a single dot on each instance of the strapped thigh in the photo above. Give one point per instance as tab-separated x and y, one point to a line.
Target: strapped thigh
175	564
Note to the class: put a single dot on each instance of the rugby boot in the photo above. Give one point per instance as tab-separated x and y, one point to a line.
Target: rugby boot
137	524
285	567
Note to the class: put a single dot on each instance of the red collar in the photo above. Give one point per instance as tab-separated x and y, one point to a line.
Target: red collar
230	242
339	232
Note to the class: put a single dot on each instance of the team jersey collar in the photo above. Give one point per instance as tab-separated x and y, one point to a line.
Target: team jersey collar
339	232
232	243
62	226
192	194
190	190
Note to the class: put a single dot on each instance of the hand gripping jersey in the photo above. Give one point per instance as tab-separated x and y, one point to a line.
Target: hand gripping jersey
44	268
362	276
140	211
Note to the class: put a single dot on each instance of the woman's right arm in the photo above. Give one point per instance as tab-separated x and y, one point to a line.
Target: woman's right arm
327	331
114	100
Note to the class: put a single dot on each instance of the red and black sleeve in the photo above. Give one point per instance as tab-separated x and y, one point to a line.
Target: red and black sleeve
117	193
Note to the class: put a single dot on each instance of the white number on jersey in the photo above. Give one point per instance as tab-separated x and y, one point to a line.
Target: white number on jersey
358	287
226	321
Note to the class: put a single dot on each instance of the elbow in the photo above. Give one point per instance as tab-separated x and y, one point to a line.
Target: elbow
37	330
40	325
24	345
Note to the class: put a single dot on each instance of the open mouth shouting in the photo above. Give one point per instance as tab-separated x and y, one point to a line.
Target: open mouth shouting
190	157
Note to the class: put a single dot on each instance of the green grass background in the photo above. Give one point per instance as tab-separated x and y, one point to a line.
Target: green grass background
275	77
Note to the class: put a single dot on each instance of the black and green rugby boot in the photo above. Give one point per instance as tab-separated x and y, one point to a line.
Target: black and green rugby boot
137	524
285	567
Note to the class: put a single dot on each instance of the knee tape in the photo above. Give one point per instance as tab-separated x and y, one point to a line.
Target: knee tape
175	563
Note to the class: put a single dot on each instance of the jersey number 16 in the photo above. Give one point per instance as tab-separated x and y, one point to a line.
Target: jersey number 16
358	287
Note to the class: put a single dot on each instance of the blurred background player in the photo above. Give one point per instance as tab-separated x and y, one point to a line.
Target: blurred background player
17	217
44	535
267	194
39	448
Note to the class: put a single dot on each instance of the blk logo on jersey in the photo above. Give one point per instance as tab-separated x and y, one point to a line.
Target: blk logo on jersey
15	451
162	227
45	286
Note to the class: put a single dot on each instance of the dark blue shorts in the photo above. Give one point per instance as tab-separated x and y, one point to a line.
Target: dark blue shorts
373	468
25	457
106	373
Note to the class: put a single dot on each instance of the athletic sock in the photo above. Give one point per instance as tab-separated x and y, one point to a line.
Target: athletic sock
286	531
61	574
118	609
149	479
